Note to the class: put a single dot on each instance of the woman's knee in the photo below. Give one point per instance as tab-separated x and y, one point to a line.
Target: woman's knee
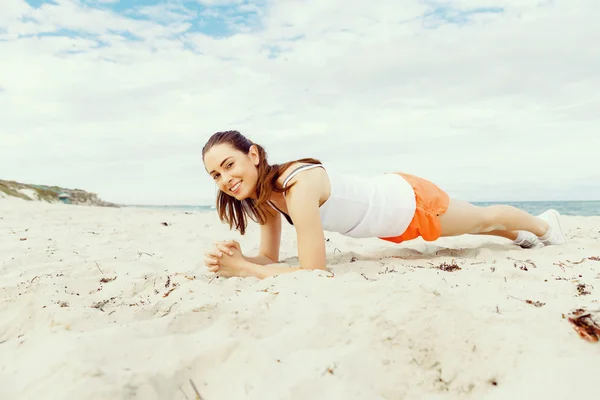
492	218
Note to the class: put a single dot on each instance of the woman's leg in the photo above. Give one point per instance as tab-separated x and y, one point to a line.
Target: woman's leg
462	217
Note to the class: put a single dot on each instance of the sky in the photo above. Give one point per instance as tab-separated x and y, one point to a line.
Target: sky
493	100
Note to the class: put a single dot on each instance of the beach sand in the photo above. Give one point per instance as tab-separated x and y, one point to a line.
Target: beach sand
104	303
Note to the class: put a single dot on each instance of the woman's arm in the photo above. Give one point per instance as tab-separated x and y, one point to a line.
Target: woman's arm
260	260
270	240
303	206
265	271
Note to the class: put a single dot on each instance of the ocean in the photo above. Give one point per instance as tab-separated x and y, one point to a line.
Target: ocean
577	208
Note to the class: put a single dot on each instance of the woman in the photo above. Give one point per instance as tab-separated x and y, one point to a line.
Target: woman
394	207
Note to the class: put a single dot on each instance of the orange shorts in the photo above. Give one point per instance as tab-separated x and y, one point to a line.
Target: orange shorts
431	203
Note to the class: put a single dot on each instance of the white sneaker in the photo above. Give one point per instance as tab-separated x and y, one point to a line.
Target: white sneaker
526	240
555	234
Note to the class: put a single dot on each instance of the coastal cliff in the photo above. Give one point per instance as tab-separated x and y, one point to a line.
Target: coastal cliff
51	194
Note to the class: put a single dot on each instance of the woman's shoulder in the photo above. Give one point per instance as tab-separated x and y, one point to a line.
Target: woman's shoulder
300	170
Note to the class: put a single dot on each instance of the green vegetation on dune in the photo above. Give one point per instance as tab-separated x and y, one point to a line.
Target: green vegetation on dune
51	194
8	189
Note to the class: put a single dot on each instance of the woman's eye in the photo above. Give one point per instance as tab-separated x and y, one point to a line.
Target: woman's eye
229	165
216	176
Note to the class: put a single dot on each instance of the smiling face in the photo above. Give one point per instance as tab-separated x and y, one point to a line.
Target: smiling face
234	172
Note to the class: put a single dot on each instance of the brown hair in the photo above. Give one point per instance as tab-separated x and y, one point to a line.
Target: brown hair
234	211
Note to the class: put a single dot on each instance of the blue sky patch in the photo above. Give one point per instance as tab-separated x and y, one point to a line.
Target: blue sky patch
212	20
442	14
38	3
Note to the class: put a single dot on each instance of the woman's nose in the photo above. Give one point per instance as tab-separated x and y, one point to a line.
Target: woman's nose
226	178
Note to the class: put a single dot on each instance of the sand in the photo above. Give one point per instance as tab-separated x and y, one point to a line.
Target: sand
104	303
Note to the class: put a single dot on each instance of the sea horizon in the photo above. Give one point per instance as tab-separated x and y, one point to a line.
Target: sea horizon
583	208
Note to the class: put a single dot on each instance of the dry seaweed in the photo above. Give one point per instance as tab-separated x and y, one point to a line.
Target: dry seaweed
388	270
100	304
585	326
582	289
561	265
522	264
535	303
449	267
175	285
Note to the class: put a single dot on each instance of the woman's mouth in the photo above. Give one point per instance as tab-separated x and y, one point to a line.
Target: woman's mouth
235	189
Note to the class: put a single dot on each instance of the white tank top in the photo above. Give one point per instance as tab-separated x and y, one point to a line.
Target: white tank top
378	206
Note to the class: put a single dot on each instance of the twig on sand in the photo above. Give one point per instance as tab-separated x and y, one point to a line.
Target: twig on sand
184	395
577	262
561	265
97	266
213	277
169	310
533	303
340	257
198	395
140	253
367	278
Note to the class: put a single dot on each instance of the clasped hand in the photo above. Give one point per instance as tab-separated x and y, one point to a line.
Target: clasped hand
226	259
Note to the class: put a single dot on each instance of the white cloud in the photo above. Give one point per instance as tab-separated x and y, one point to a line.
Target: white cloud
490	109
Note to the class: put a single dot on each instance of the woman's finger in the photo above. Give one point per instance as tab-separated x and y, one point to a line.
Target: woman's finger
215	253
224	248
213	268
208	261
234	243
223	244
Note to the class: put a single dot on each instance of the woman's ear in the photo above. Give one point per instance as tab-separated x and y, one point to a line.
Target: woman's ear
254	155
